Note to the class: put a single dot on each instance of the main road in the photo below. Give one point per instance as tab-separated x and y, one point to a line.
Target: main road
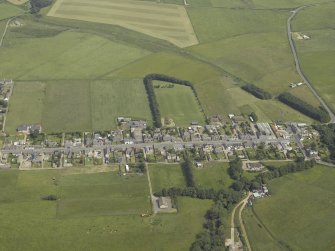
297	64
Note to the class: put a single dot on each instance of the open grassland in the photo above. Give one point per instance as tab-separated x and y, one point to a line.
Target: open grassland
8	10
178	103
212	24
68	55
87	216
213	175
318	53
76	105
164	21
299	214
166	176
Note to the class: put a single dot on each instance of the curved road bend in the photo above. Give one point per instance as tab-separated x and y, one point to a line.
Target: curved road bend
297	64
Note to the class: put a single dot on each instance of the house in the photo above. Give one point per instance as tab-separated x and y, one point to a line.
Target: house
29	128
254	166
163	203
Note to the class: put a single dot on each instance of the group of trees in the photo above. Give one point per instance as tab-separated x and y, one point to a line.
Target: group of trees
256	91
148	83
327	137
254	117
187	170
36	5
316	113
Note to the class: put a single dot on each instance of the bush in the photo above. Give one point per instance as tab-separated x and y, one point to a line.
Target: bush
51	197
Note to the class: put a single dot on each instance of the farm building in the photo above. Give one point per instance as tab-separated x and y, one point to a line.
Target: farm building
162	203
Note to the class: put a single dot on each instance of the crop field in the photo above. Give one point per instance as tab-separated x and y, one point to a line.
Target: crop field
300	207
88	215
317	54
178	103
164	21
76	105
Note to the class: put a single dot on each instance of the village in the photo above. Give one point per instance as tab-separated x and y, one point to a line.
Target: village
222	139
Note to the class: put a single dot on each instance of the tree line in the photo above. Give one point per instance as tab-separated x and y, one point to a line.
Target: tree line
186	167
256	91
37	5
327	137
149	87
316	113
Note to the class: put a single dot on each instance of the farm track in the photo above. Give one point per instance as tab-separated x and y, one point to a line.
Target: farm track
297	63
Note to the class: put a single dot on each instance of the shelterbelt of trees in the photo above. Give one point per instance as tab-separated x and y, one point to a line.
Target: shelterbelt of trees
36	5
327	137
256	91
316	113
154	107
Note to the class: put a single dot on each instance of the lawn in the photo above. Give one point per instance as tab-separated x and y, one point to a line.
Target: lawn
166	176
92	225
178	103
301	206
213	175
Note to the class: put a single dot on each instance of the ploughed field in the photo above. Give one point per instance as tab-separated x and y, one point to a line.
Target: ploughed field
165	21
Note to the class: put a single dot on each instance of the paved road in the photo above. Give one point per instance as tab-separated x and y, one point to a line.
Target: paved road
244	232
297	64
39	149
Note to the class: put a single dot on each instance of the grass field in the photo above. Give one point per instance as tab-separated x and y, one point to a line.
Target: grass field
213	175
88	215
8	10
299	214
76	105
68	55
317	54
178	103
165	21
166	176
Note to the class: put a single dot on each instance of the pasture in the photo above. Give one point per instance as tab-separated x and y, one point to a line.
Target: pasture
178	103
88	215
301	206
165	21
61	106
317	54
8	10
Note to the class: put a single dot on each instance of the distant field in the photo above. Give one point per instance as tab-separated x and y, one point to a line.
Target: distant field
8	10
68	55
87	216
299	214
76	105
317	54
165	21
179	104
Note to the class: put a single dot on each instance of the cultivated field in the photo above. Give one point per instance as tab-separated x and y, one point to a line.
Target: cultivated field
98	211
76	105
299	214
178	103
164	21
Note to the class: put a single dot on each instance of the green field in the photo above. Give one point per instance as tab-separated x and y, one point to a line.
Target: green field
8	10
317	54
178	103
166	176
76	105
96	211
168	22
299	214
213	175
